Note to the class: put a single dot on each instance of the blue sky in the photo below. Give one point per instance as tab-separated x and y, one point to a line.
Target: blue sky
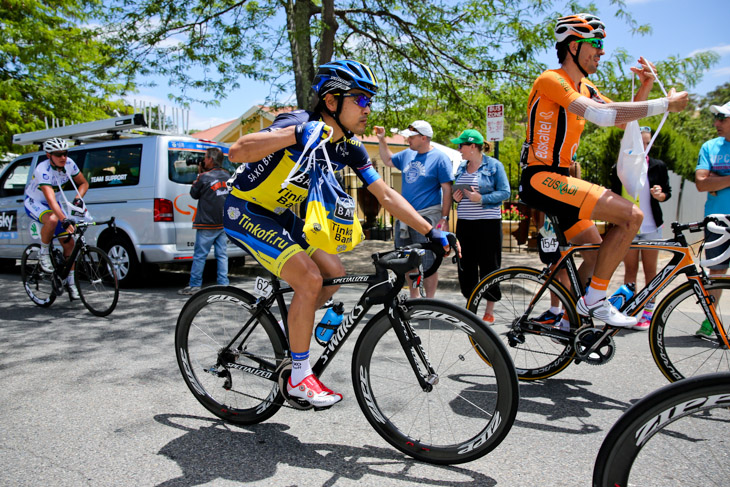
676	30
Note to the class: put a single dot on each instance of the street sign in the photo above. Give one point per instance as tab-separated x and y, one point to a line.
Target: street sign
495	122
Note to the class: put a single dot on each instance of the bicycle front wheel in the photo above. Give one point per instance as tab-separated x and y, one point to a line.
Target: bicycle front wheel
236	381
678	435
96	281
474	398
677	349
38	284
535	356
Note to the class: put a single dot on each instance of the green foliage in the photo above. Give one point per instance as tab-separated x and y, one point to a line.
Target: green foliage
53	65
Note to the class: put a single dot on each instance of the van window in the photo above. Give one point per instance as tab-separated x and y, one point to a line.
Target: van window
111	166
185	157
14	179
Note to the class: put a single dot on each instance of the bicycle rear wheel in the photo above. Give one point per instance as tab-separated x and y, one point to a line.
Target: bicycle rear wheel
677	350
96	281
239	383
678	435
38	284
473	402
535	356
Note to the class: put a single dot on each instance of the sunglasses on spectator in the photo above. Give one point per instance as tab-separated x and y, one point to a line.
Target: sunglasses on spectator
645	129
412	129
720	116
361	100
465	144
597	43
60	153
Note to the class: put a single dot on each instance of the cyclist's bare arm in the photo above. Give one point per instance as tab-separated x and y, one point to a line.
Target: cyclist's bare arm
385	154
81	184
254	147
397	206
706	180
617	113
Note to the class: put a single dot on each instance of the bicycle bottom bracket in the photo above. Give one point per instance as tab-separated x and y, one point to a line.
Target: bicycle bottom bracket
594	346
284	372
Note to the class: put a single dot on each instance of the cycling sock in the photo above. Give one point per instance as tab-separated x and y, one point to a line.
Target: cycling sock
44	248
556	310
300	367
70	278
596	291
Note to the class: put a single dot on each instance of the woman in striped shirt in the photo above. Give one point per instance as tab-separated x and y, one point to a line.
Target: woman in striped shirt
481	185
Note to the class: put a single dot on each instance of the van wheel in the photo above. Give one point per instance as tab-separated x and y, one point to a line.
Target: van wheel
7	265
125	260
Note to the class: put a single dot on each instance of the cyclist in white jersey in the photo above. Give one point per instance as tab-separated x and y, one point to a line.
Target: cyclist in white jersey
41	203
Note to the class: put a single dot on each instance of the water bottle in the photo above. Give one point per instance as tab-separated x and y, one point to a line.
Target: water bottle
622	295
330	321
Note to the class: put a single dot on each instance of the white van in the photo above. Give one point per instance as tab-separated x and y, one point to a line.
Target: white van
143	181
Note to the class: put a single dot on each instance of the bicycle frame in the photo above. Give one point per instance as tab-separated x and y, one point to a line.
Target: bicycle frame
79	243
680	263
381	290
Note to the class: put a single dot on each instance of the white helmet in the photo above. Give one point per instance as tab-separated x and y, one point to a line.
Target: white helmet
585	26
53	145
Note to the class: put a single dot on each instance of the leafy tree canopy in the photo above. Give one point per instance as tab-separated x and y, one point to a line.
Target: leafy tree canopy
53	64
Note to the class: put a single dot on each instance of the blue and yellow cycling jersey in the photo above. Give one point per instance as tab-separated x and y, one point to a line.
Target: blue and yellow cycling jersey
260	182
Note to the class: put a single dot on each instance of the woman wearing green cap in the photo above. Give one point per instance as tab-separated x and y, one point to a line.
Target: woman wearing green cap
481	185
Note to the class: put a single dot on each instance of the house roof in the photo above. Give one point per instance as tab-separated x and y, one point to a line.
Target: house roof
213	132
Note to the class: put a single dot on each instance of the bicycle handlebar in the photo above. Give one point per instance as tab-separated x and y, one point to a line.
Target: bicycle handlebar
711	223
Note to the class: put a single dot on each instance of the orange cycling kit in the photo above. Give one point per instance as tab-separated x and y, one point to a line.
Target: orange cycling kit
553	134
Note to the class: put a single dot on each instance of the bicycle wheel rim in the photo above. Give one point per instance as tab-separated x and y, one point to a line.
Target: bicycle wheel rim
37	284
677	350
96	281
208	323
538	356
468	412
677	435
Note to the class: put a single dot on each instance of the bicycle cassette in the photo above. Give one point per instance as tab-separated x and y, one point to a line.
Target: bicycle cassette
594	346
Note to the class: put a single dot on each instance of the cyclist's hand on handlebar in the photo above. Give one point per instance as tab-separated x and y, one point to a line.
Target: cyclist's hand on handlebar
445	239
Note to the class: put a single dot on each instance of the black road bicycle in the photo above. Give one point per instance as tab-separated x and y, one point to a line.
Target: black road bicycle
95	276
540	350
429	376
678	435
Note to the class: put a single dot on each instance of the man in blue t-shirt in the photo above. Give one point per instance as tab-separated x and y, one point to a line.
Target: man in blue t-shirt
426	174
712	174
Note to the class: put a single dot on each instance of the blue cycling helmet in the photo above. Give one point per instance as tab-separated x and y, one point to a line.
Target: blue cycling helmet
343	76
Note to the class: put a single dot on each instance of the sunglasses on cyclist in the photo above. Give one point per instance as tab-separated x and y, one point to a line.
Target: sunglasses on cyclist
60	153
361	100
597	43
720	116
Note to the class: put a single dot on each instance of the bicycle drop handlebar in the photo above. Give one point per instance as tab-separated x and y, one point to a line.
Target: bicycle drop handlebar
712	223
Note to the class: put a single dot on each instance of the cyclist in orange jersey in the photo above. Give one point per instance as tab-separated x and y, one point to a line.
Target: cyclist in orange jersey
560	102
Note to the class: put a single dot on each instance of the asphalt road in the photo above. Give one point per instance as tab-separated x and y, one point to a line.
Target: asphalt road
100	402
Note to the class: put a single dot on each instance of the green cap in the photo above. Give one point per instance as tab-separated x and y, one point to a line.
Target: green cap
469	136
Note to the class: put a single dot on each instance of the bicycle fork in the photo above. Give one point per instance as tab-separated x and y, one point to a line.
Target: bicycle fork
411	344
707	302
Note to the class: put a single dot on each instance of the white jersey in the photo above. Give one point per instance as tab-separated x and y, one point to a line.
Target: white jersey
47	175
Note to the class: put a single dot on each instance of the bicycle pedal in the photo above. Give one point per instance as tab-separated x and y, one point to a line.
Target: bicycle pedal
322	408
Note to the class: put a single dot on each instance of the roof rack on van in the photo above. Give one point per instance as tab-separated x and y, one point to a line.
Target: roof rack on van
109	126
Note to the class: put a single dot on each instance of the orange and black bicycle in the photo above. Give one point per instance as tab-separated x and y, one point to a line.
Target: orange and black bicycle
540	349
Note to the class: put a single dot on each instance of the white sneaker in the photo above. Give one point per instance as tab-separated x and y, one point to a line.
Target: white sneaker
45	261
314	392
603	310
73	291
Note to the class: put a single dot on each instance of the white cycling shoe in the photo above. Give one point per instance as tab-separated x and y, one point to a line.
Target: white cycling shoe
314	392
73	291
603	310
45	261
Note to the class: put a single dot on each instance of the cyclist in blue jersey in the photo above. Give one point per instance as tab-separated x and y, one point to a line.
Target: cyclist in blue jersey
258	216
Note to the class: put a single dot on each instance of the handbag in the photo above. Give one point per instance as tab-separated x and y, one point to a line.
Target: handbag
331	222
632	165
